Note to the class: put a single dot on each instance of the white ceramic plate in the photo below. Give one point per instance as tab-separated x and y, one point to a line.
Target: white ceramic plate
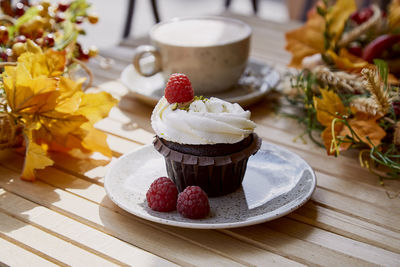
276	182
255	83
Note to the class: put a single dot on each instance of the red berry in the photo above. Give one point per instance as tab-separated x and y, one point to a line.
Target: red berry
79	19
162	195
48	40
396	107
19	9
3	34
193	203
63	6
20	39
178	89
355	48
60	17
362	16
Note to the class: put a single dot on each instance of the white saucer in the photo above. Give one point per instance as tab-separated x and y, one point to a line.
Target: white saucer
255	83
276	182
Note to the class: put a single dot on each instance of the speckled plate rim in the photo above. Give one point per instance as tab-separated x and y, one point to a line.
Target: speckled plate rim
284	209
272	79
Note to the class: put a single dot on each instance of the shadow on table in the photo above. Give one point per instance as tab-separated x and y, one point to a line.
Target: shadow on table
18	198
89	168
138	113
276	234
21	199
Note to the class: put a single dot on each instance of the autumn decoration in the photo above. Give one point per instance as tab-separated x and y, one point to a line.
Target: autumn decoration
43	107
346	86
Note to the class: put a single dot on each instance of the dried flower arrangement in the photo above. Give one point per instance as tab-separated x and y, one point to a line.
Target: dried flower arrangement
42	107
347	84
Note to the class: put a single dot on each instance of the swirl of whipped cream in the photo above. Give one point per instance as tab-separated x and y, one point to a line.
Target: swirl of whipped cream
210	121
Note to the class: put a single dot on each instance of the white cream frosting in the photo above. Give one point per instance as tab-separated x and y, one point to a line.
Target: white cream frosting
205	122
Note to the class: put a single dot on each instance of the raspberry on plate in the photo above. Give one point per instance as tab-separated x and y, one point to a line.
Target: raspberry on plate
193	203
162	195
178	89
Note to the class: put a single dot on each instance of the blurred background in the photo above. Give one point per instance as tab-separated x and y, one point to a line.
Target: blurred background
113	14
109	30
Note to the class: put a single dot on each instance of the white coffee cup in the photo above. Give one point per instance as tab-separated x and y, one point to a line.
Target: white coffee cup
211	51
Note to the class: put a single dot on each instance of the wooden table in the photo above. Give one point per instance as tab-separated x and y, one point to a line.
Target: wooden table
65	217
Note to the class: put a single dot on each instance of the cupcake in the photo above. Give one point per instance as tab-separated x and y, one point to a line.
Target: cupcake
205	142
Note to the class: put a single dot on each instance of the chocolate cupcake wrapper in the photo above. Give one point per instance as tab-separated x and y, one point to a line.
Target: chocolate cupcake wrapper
217	176
207	161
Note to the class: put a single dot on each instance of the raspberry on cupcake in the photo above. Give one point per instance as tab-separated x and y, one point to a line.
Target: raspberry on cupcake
178	89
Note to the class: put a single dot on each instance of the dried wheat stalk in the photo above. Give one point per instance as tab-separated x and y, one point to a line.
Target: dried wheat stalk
366	105
396	135
376	87
352	35
339	80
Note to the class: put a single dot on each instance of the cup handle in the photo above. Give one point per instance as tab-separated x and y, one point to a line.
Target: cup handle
140	52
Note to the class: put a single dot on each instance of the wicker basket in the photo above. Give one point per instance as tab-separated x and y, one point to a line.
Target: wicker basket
7	132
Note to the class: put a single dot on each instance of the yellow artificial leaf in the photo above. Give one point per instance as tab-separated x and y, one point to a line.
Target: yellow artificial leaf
95	140
55	61
338	16
34	63
32	47
96	106
328	107
306	40
56	125
394	15
71	95
27	94
54	112
35	157
366	128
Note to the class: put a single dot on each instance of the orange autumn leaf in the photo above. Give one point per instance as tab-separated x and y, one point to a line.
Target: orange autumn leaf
306	40
347	61
354	64
309	39
329	140
366	129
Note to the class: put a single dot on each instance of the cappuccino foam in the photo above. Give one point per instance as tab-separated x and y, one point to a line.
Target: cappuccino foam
200	32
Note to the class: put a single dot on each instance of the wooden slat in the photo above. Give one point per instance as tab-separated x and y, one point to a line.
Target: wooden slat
122	227
358	209
366	232
93	192
348	226
208	239
296	249
137	134
13	255
336	242
56	249
78	234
